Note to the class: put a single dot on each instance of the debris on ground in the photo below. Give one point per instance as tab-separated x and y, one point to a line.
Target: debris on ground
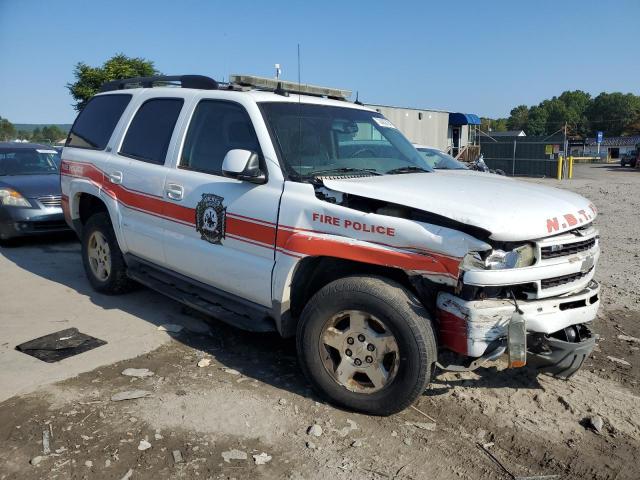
177	456
619	361
144	445
127	475
262	459
314	430
231	371
356	443
423	414
46	447
629	338
422	425
36	460
310	445
343	432
234	455
88	464
137	372
171	328
204	362
130	395
596	423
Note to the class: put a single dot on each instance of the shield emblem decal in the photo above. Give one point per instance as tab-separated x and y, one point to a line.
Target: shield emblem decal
211	218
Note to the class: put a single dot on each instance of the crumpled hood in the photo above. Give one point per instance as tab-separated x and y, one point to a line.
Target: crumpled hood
511	210
32	186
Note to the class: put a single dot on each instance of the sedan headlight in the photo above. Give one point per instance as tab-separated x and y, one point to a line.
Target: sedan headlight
523	256
10	198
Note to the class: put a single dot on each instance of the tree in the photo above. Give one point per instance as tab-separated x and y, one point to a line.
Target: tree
537	124
518	118
90	79
613	112
493	124
7	130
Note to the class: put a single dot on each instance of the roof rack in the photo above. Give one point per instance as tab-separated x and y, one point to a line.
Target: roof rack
283	87
185	81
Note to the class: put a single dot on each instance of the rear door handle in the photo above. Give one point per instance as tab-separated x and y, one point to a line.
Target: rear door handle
174	191
115	177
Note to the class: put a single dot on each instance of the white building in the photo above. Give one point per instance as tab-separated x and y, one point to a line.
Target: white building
448	131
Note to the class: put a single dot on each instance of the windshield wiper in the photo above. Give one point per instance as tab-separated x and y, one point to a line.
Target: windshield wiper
407	169
329	171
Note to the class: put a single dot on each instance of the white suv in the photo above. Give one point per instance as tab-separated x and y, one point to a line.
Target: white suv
277	206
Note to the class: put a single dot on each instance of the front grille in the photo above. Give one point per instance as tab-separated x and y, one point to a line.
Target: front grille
51	201
564	279
49	225
565	249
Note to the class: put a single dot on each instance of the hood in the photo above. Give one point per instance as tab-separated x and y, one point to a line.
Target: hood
511	210
32	186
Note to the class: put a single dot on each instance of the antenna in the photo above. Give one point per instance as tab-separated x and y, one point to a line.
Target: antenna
278	71
299	113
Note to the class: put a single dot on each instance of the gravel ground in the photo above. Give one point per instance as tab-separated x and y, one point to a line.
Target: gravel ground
249	398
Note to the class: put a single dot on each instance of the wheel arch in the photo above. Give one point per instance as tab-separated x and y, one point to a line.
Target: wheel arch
86	201
314	272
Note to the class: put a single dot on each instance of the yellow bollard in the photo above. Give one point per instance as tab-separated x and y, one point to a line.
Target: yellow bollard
560	167
570	167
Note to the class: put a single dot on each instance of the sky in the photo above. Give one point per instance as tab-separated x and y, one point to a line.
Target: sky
469	56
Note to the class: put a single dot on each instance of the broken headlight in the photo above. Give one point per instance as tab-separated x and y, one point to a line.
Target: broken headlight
522	256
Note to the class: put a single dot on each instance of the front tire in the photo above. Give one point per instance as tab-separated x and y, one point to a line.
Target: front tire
102	258
367	344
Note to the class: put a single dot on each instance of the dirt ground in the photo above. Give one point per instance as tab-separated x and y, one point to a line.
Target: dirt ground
251	399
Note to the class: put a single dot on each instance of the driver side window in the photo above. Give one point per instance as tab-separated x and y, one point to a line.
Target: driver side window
216	127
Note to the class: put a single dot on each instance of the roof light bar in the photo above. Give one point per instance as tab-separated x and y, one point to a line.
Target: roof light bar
264	83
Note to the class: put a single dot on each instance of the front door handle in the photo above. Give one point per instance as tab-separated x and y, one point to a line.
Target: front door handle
174	191
115	177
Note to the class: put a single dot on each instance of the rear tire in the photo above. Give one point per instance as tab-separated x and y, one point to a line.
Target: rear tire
102	258
376	319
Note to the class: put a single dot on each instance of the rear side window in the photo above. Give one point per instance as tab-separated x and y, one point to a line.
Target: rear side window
150	131
217	127
95	123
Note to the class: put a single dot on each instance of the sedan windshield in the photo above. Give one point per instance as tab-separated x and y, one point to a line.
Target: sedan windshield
317	140
440	160
27	161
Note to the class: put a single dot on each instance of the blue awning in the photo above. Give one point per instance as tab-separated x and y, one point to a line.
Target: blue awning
463	119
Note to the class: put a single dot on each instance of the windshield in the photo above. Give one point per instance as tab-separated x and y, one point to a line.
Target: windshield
440	160
26	161
322	140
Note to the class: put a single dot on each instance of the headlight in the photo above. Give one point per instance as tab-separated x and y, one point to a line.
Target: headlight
522	256
11	198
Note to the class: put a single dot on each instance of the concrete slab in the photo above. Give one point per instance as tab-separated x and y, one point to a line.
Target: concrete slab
43	289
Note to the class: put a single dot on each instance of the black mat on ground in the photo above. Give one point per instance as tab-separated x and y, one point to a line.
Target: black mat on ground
60	345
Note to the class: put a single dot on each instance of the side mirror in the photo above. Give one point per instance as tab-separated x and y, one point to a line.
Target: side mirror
243	165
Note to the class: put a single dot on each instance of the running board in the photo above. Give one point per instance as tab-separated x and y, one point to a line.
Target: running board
200	297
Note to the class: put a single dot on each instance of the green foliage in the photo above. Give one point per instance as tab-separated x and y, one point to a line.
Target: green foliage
613	113
518	118
90	79
493	125
7	130
46	134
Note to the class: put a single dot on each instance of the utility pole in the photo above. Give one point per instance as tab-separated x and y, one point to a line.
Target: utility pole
565	146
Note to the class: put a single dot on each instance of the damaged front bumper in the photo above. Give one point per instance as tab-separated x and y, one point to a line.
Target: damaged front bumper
558	339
